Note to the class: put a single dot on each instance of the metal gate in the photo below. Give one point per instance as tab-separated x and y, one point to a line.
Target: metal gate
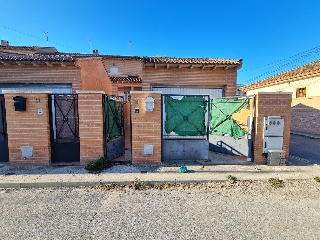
64	125
4	152
185	131
113	126
230	125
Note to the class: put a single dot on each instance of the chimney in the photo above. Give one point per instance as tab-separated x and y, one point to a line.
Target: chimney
4	43
95	52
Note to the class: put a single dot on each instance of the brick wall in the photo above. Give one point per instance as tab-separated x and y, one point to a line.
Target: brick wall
94	76
146	128
190	77
271	104
28	128
305	115
41	74
90	126
125	66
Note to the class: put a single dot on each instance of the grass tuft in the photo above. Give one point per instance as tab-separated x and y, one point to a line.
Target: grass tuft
276	182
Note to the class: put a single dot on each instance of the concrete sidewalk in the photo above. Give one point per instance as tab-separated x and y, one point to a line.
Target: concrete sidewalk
76	176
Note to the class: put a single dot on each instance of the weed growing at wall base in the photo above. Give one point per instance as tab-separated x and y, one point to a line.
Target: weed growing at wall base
98	165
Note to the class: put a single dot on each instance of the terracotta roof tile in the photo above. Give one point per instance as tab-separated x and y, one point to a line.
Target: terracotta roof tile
132	79
308	70
4	56
28	49
81	55
205	61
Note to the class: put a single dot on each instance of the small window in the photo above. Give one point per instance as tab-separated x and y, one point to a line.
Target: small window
301	92
114	70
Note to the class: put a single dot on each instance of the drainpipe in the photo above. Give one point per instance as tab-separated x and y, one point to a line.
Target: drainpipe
251	132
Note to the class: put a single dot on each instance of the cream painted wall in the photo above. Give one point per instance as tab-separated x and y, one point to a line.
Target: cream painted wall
312	85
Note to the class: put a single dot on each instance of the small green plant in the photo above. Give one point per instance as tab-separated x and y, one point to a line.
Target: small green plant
137	184
98	165
232	179
276	182
317	179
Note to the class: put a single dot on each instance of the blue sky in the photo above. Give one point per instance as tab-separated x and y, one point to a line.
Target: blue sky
270	36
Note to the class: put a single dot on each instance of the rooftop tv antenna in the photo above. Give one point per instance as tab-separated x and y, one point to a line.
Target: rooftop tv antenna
47	36
129	46
90	44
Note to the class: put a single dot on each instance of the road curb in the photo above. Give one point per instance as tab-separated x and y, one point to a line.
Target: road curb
97	183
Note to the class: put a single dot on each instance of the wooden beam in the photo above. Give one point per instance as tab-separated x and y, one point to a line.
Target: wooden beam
179	66
155	66
5	63
63	64
19	63
35	64
214	67
202	67
49	64
167	66
191	66
226	67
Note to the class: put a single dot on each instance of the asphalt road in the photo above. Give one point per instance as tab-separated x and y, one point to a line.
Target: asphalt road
247	210
305	148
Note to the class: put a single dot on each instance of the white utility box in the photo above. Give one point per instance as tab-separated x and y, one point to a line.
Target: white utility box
273	126
273	133
272	143
26	152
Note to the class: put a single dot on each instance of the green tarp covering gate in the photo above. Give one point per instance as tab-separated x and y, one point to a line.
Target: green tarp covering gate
221	116
186	116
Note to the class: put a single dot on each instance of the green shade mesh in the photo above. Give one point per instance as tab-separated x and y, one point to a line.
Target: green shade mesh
113	122
221	116
185	117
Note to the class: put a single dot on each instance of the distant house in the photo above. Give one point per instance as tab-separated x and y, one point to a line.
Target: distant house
304	83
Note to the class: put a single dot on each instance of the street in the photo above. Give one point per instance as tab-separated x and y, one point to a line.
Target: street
305	148
246	210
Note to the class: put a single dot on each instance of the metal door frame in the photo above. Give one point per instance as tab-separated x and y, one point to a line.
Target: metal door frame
4	149
64	148
114	146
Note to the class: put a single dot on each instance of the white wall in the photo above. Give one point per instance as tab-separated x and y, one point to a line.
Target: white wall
312	85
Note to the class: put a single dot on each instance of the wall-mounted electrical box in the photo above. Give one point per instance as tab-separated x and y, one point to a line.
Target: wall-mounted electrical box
149	104
19	103
148	149
273	133
273	126
272	143
26	152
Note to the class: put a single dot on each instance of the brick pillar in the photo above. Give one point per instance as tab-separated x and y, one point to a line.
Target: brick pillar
28	128
146	128
90	125
271	104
